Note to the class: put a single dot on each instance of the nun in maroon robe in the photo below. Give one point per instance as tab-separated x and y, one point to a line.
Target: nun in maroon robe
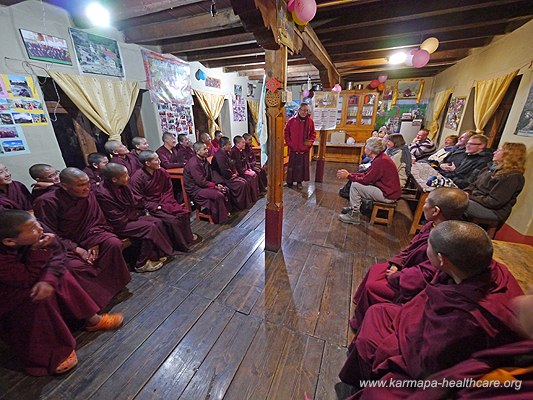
94	177
203	190
126	216
185	153
154	186
168	157
36	331
253	164
129	160
13	194
241	165
73	213
464	309
240	191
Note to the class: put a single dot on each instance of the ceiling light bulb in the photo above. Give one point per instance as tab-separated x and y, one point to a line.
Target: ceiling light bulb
397	58
97	14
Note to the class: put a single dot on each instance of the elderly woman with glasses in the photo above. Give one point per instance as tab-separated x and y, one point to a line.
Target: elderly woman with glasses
493	193
380	182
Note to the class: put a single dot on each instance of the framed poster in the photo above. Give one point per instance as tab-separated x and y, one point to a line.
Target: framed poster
46	48
213	82
408	89
97	54
12	141
525	122
21	106
455	112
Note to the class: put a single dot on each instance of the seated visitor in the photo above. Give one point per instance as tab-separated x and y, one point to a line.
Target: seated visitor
241	165
139	144
240	191
121	155
202	188
477	158
422	147
449	145
215	143
73	213
407	273
185	150
39	295
379	183
152	183
168	152
13	194
46	178
252	162
398	151
128	219
463	310
457	154
96	163
494	191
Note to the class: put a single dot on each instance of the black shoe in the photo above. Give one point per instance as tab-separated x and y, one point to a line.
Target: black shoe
299	185
289	185
346	210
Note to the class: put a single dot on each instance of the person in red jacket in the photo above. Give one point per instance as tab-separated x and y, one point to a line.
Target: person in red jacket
299	136
380	182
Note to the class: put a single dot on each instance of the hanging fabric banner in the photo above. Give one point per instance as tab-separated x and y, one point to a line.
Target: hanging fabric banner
168	78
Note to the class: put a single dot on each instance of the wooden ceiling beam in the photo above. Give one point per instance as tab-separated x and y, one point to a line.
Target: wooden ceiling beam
396	74
238	68
126	9
209	43
226	52
233	62
194	25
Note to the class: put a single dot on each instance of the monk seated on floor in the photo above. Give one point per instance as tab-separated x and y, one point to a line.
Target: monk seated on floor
95	166
13	194
46	178
466	308
241	165
128	219
202	188
72	212
152	183
252	162
121	155
38	295
240	191
406	274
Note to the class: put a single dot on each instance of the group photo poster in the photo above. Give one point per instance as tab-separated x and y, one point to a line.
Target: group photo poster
46	48
19	103
175	118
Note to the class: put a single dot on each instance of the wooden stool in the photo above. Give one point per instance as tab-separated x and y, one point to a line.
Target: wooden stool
199	215
386	207
490	225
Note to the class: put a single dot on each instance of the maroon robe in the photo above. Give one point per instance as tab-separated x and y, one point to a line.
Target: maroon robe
243	169
122	212
15	197
202	189
130	161
253	164
414	271
79	222
39	191
36	331
442	325
240	191
299	137
215	144
94	177
156	191
185	153
169	158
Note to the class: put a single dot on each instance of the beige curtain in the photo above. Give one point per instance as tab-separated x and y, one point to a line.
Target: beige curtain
253	106
107	103
211	104
439	104
488	97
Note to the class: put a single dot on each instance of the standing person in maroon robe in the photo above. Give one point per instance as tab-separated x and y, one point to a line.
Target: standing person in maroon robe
407	273
240	191
201	187
466	308
241	165
126	216
121	155
168	152
46	178
206	139
185	150
13	194
299	136
152	183
73	213
38	295
96	163
252	162
139	144
215	143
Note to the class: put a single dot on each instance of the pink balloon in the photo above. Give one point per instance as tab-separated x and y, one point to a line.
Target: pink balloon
382	78
409	60
374	83
412	52
305	93
420	58
305	9
336	88
290	5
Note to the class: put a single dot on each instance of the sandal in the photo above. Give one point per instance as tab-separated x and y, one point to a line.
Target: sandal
67	364
109	322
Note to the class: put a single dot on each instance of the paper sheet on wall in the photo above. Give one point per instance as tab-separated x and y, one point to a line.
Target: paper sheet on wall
325	110
19	102
12	141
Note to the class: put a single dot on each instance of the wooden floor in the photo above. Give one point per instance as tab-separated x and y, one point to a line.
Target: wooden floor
230	320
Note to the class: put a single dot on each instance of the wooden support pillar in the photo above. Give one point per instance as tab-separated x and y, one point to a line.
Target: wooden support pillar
321	161
275	66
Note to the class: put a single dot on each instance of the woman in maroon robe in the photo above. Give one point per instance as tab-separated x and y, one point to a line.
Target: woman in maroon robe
96	164
203	190
73	213
46	178
240	191
168	152
13	194
185	150
241	165
121	155
252	162
154	186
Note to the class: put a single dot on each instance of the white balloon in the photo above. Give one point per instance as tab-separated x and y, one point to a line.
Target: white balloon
409	60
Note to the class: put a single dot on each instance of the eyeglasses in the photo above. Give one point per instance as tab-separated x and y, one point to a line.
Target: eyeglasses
474	144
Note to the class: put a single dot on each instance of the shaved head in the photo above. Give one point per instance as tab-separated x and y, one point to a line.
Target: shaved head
40	171
205	137
452	202
71	174
113	170
11	222
111	145
146	155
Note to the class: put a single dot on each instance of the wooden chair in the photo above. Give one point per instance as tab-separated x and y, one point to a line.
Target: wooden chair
490	225
387	208
199	215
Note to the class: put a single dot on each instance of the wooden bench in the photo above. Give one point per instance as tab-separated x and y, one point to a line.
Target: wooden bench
387	208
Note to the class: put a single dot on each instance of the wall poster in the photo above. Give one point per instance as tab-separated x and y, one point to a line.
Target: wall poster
455	112
46	48
176	118
19	103
239	109
12	141
525	122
